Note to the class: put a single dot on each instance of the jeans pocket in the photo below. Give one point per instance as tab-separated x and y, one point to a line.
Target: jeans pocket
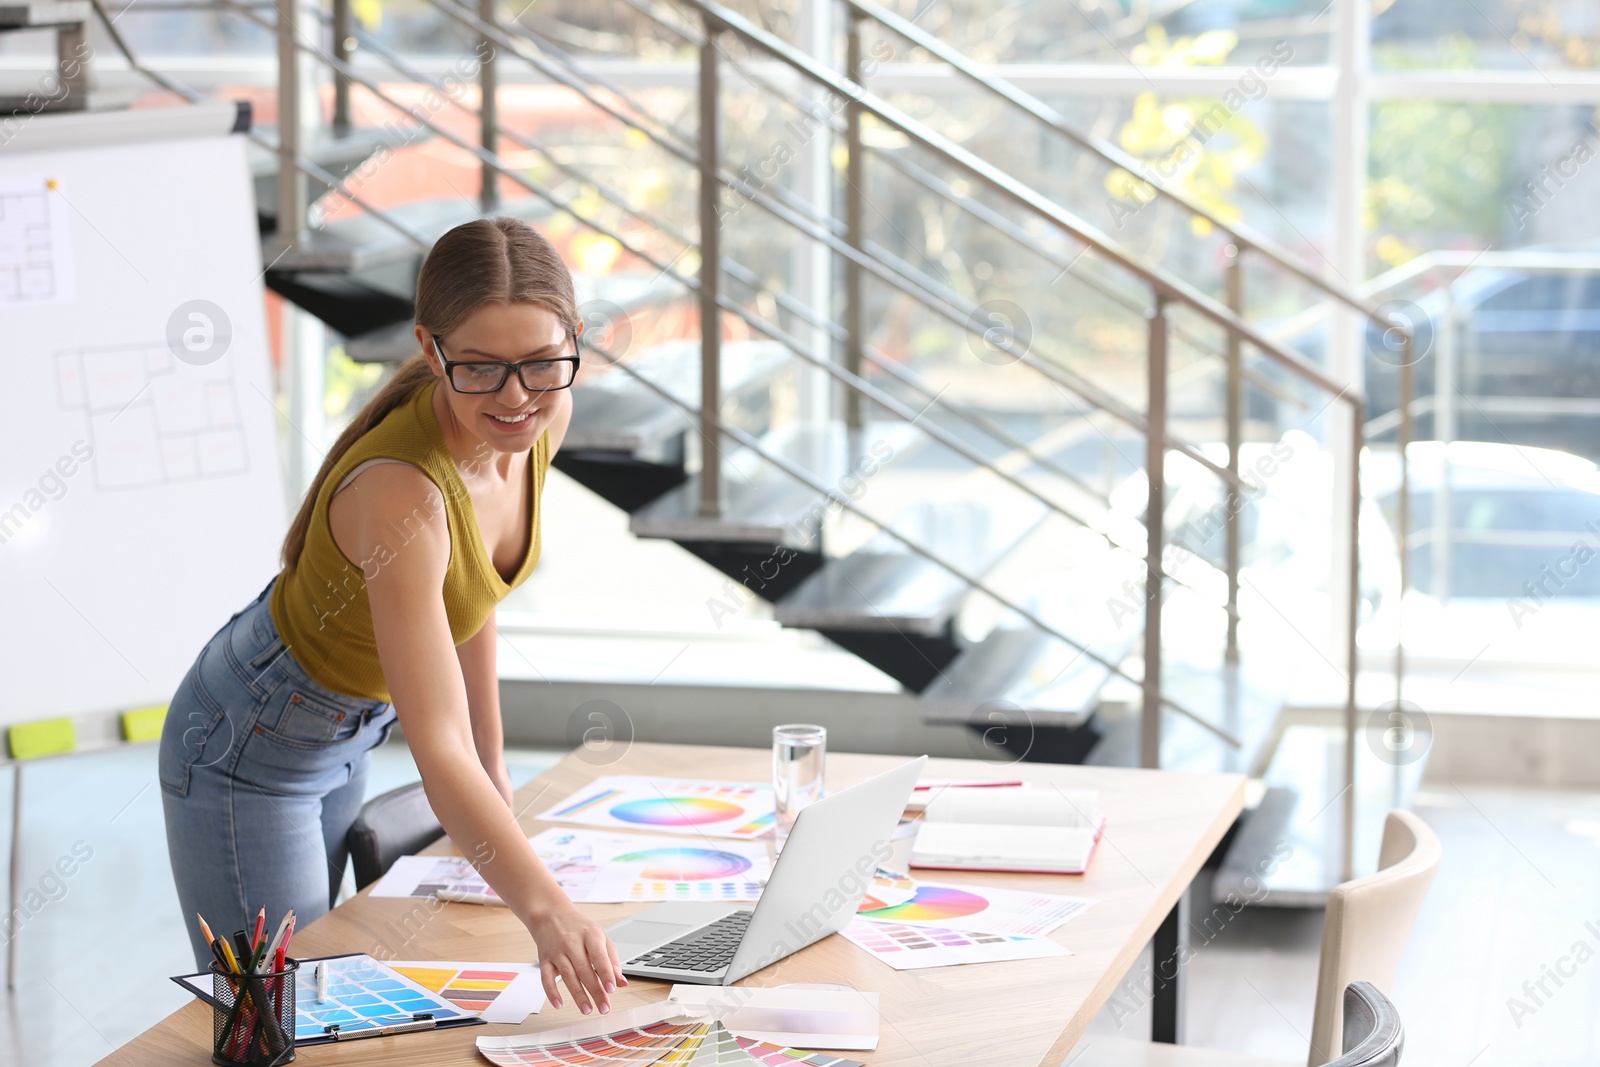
305	721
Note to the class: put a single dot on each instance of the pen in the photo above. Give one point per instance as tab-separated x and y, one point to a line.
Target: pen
457	897
423	1021
322	982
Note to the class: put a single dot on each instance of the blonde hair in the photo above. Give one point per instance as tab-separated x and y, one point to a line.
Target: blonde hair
498	260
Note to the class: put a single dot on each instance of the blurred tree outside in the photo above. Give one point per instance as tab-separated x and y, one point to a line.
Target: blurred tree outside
1196	145
1439	173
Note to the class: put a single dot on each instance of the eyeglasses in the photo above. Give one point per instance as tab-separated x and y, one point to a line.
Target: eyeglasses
489	376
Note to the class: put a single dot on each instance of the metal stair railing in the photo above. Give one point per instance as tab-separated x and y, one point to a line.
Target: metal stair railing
1165	290
720	428
803	476
1243	238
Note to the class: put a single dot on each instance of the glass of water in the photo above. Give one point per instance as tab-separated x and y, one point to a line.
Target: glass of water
798	752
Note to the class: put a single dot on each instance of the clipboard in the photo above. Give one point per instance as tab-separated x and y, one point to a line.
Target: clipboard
385	1002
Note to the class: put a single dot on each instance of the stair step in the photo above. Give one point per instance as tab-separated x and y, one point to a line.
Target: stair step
362	242
1043	677
338	155
1289	852
1246	704
762	504
883	586
614	413
42	14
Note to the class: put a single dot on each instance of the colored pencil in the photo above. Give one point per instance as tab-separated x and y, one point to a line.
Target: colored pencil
277	938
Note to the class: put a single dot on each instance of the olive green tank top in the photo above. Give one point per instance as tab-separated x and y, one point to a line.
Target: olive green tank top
320	605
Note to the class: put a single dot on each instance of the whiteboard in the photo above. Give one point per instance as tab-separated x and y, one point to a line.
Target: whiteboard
141	499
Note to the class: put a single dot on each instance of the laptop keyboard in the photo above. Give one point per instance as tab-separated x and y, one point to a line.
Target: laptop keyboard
710	948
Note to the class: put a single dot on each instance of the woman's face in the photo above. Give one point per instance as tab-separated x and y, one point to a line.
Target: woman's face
511	419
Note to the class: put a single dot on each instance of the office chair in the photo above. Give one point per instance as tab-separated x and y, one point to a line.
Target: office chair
1373	1036
397	823
1363	935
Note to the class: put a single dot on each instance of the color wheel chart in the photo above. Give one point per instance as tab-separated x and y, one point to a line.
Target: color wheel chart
599	867
908	947
982	910
670	805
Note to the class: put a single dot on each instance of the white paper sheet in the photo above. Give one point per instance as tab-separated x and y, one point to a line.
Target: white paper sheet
422	876
906	948
805	1018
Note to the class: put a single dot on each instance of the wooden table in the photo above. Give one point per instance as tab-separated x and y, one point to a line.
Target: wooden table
1160	828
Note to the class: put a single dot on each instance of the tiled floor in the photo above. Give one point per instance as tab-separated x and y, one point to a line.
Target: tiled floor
1520	879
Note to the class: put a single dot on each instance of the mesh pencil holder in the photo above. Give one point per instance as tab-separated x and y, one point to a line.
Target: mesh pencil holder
252	1021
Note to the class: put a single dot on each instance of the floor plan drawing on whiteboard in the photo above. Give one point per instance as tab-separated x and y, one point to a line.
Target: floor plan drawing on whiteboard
152	419
35	249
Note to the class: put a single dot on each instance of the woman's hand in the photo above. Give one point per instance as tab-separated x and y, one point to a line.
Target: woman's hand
576	949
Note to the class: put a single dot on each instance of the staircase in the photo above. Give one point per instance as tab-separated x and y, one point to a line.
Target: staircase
973	497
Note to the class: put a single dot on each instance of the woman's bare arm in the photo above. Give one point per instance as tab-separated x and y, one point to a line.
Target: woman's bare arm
478	669
430	695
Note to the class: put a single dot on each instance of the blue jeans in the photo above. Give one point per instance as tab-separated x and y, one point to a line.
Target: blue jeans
262	772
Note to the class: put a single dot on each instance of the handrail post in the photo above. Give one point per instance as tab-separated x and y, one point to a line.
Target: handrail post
854	224
488	112
1444	431
1155	530
291	186
1234	405
1408	348
1352	620
710	277
344	45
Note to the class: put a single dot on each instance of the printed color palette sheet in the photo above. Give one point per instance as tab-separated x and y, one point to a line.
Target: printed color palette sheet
907	948
981	909
495	992
670	805
596	867
600	868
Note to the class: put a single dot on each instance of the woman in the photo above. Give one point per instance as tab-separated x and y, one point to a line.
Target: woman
425	514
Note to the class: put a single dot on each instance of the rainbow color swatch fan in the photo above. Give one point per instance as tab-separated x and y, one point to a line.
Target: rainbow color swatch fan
670	805
662	1033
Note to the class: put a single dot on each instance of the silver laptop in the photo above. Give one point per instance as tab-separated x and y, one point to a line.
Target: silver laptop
821	875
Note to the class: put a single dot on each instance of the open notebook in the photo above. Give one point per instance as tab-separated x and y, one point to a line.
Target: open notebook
1036	830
